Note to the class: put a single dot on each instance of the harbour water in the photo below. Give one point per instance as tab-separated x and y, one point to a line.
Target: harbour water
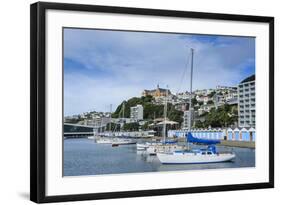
85	157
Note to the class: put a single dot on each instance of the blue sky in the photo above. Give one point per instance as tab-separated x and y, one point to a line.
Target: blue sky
105	67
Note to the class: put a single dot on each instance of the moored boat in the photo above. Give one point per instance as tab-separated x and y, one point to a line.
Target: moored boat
195	156
163	148
104	140
145	145
142	146
123	141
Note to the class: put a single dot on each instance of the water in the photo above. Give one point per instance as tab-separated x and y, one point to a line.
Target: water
85	157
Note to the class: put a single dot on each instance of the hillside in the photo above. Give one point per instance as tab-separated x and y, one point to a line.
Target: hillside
150	110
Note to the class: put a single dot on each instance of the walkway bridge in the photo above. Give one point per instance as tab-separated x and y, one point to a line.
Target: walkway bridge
78	130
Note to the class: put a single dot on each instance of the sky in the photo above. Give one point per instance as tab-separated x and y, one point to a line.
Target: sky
103	67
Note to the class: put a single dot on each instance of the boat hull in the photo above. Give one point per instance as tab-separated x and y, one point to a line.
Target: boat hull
142	146
104	141
191	158
122	143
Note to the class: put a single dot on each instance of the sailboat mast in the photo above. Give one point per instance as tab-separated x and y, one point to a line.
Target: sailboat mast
123	110
165	115
123	114
190	97
110	110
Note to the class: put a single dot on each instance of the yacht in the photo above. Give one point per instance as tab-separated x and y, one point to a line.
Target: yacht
104	140
164	148
145	145
122	141
195	156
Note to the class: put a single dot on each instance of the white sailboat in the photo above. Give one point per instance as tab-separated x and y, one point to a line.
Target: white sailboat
111	139
164	146
104	140
115	141
123	141
145	145
195	156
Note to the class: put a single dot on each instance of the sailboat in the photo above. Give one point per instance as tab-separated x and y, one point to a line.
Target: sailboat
124	140
164	146
106	139
195	156
113	140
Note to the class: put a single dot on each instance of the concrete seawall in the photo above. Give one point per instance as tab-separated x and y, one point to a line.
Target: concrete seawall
243	144
230	143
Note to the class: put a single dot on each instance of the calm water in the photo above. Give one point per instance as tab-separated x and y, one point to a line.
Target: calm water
85	157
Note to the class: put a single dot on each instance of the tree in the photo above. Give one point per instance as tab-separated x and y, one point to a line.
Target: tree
199	124
113	126
194	101
150	110
210	102
211	94
131	126
145	126
222	117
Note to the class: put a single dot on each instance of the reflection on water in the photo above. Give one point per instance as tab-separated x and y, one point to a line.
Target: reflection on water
85	157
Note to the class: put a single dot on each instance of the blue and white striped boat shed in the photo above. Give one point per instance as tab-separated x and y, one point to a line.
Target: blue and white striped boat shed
236	134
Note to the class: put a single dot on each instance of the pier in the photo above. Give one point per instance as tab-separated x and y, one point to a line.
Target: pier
77	130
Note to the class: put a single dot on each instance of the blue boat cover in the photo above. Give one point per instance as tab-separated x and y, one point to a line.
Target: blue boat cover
190	138
169	142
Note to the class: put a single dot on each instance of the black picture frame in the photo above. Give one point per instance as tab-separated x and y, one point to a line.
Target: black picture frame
38	101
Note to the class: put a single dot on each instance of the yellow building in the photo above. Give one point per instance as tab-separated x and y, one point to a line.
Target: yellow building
158	92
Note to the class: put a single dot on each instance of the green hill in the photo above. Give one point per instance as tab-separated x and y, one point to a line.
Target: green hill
150	110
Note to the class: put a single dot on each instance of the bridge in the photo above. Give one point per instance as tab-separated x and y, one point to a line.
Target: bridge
77	130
